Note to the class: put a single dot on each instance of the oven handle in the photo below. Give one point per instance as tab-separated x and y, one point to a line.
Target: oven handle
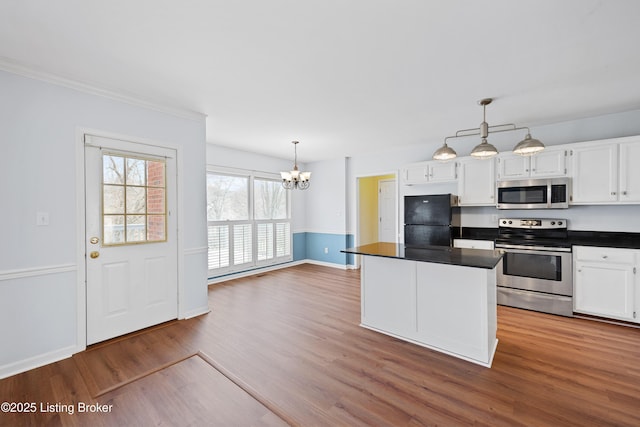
531	248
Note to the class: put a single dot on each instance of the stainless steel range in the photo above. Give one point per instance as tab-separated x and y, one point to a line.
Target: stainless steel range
536	271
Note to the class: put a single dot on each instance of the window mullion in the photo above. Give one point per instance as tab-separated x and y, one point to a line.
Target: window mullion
274	244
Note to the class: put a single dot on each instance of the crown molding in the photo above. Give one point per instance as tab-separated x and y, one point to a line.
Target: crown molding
14	67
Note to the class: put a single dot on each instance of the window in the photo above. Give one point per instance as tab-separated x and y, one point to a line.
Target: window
248	222
133	200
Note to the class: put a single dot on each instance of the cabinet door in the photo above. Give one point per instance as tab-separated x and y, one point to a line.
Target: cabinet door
416	174
476	182
388	289
442	171
513	166
605	289
595	173
630	172
549	163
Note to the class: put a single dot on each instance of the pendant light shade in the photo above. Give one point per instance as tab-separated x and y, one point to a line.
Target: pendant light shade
528	146
484	150
444	153
294	178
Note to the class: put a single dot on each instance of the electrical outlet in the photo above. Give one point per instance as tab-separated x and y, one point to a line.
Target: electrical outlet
326	250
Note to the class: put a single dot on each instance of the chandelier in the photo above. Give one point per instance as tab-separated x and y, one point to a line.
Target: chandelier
295	178
527	147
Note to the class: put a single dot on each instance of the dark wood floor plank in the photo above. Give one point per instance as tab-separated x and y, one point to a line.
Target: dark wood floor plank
293	336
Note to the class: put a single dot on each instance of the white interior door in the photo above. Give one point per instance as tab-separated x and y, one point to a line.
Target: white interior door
131	242
387	211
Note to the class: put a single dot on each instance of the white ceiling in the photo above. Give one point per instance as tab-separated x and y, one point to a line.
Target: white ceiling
341	76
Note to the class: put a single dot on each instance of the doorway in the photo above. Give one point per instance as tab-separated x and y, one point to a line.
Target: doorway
377	209
130	236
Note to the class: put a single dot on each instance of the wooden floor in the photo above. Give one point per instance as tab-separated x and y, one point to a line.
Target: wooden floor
288	350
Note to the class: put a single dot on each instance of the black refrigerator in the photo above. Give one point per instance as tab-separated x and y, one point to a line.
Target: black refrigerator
430	220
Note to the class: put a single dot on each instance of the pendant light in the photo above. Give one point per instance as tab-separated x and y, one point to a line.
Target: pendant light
294	178
528	146
484	150
444	153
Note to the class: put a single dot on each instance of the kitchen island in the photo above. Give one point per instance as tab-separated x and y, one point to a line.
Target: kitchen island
438	297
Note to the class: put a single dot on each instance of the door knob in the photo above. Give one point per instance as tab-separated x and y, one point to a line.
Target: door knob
94	254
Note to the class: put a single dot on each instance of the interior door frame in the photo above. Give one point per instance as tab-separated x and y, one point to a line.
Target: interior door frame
395	206
81	276
358	209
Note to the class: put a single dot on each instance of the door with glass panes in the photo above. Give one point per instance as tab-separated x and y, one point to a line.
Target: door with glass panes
131	241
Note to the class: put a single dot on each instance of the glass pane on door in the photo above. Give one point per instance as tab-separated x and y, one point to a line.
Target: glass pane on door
133	200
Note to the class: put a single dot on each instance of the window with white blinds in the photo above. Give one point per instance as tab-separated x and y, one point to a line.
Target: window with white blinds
249	222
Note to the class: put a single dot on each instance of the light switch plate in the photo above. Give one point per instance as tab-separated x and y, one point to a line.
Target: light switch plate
42	218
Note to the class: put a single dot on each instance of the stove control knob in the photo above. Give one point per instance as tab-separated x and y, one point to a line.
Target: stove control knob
554	223
510	222
559	222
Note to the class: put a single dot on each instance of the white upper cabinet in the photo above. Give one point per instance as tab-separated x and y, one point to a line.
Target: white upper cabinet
429	172
416	174
476	182
512	166
606	172
595	173
629	171
552	162
442	171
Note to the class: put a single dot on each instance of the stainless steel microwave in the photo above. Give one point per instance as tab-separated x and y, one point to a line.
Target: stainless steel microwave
552	193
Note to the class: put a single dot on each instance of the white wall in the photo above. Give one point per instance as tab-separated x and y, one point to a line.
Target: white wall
327	197
40	274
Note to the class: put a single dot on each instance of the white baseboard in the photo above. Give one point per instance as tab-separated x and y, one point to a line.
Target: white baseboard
327	264
36	361
196	312
253	272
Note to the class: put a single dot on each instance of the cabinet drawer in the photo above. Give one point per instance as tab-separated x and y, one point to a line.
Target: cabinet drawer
592	253
473	244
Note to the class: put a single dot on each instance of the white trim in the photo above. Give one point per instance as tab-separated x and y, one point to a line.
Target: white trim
36	361
81	275
252	272
224	170
327	264
81	331
438	349
255	271
32	73
341	233
36	271
196	251
196	312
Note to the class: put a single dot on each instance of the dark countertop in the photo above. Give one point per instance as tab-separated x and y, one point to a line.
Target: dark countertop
605	239
575	238
478	258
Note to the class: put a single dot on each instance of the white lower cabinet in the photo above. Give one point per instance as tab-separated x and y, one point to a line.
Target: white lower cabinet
605	282
388	299
447	308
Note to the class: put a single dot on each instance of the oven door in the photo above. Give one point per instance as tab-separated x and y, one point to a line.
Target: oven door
539	269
